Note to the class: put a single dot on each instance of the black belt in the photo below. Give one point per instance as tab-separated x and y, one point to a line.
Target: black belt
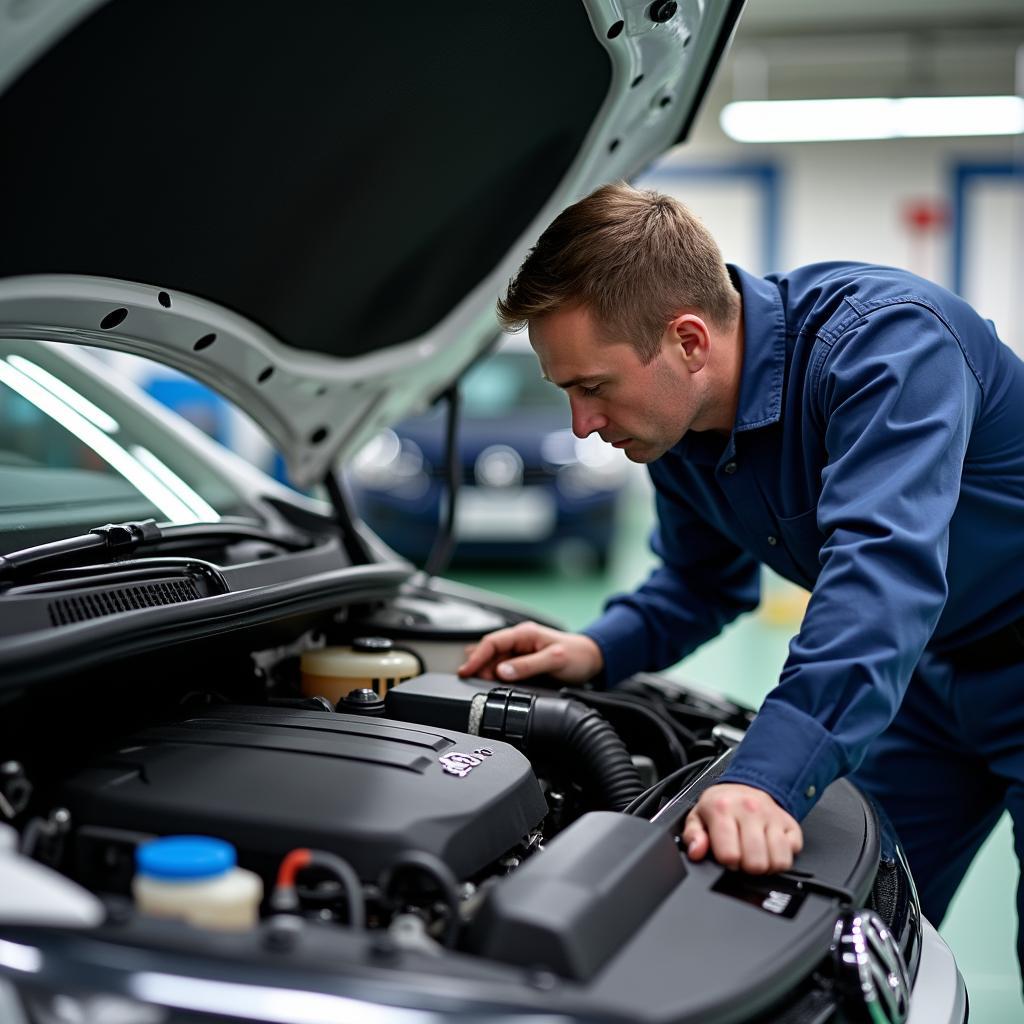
1003	647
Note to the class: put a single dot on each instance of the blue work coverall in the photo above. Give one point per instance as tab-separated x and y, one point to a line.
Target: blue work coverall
877	459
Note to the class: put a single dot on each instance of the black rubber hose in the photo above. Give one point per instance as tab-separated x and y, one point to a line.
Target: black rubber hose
444	543
442	877
346	875
355	546
613	705
647	801
578	739
285	898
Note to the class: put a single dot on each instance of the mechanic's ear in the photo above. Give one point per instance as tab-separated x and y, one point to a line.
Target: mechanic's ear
690	340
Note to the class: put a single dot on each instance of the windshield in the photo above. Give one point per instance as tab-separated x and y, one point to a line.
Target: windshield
507	382
77	450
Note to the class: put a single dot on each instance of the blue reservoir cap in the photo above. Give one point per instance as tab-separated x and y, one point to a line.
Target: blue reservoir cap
184	857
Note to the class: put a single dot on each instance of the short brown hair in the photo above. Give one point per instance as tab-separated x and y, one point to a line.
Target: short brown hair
634	258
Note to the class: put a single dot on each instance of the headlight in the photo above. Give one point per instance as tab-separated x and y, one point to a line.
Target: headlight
391	463
595	466
558	448
499	466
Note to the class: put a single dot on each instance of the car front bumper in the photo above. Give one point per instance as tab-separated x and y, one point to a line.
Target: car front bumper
940	995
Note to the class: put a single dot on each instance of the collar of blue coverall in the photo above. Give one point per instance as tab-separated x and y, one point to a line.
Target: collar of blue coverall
764	351
762	375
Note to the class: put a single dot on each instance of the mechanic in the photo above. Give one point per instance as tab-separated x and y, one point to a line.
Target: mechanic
860	431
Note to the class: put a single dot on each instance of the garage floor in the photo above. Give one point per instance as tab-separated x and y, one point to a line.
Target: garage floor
743	663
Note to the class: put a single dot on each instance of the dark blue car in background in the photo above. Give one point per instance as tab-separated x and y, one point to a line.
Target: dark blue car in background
530	490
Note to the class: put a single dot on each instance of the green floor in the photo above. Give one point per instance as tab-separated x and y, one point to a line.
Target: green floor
743	663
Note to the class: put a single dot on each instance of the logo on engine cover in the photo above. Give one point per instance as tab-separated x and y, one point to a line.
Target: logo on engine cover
462	764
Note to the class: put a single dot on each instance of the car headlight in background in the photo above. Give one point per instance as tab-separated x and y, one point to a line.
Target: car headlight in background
558	448
390	463
584	466
499	466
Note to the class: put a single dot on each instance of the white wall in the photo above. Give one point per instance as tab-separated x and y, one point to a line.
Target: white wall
849	201
994	254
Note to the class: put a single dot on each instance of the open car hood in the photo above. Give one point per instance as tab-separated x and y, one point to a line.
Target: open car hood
313	207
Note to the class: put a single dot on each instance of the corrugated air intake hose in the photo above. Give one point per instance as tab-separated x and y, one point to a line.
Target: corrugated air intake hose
565	733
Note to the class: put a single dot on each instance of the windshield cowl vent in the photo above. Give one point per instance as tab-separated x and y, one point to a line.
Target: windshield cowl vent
97	604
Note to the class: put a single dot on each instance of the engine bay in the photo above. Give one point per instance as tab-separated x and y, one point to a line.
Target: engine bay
489	830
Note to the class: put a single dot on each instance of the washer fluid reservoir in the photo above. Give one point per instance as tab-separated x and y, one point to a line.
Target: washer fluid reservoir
196	878
371	662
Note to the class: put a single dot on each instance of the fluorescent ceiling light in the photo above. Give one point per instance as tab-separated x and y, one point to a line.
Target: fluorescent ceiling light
80	403
205	512
876	118
156	492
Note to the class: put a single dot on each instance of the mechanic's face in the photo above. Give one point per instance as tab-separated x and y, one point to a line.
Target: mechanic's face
642	409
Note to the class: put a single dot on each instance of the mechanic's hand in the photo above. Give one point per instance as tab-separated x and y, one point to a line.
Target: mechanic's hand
569	657
743	828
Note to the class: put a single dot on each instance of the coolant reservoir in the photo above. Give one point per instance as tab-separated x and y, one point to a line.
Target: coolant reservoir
196	878
370	663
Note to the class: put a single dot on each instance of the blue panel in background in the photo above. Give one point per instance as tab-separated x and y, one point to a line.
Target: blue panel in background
194	402
965	175
765	178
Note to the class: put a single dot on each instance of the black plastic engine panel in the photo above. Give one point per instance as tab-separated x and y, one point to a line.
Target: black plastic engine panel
270	780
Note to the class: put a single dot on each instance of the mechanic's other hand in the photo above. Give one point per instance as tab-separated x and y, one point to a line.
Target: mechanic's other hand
528	649
742	827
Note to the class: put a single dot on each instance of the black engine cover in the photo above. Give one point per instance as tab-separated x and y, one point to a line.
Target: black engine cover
270	780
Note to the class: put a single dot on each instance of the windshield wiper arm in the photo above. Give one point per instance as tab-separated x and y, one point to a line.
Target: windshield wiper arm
104	543
117	541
